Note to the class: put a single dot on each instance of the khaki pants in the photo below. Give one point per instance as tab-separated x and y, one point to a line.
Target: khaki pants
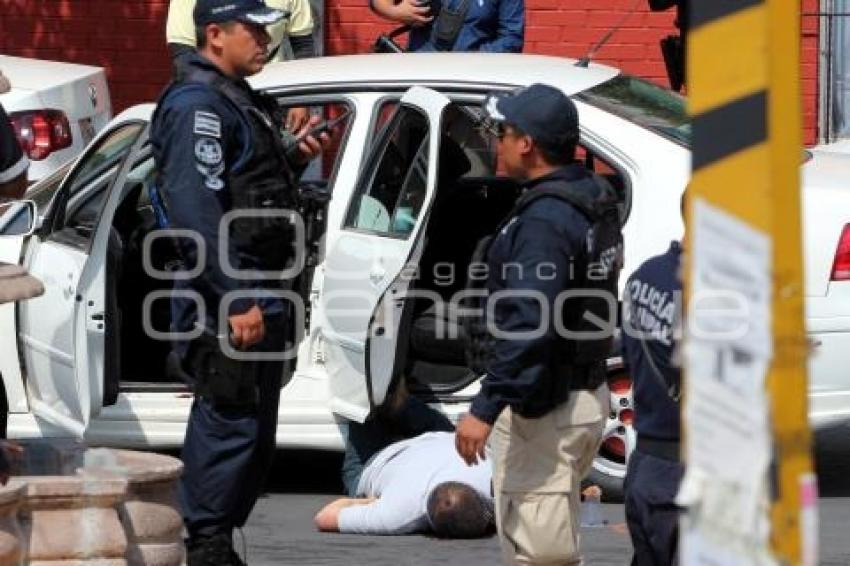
538	465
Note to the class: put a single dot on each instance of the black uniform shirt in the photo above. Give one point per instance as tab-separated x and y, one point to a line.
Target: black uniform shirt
651	299
533	257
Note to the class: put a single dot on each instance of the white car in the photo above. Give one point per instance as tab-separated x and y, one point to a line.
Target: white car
56	109
414	182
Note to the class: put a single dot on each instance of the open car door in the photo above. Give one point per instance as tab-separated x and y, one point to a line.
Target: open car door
64	330
11	247
381	235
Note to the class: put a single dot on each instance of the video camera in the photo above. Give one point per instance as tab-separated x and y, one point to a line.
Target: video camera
386	41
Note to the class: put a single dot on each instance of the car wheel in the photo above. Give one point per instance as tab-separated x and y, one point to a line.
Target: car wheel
618	438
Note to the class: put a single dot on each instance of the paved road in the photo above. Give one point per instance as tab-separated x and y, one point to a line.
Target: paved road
280	530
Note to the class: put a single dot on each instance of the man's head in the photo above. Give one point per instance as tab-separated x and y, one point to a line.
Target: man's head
537	127
456	510
232	33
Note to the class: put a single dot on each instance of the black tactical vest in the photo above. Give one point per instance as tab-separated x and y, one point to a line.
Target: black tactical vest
597	271
266	181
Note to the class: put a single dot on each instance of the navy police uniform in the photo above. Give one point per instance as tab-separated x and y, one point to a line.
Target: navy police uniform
540	250
652	299
218	148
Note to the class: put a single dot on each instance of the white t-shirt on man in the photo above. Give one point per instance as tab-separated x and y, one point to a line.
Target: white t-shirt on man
402	476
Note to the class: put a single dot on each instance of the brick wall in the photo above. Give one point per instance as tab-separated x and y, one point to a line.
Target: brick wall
124	36
569	27
127	38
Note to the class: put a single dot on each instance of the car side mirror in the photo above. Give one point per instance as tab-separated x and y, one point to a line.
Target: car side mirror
18	218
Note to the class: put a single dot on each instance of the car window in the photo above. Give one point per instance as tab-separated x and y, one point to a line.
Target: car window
87	186
466	149
390	198
43	191
320	171
646	104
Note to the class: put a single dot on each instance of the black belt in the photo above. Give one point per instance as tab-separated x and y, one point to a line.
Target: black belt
664	449
585	378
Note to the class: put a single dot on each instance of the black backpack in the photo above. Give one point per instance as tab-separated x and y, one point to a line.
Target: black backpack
599	272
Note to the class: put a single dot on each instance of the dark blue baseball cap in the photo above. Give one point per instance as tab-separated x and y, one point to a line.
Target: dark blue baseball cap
541	111
249	11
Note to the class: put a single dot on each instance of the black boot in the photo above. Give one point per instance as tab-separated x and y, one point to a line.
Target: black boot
213	550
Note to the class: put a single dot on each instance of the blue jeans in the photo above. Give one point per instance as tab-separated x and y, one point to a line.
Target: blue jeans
362	441
651	511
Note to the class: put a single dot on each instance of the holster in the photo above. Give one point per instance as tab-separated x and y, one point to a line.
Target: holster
447	25
218	378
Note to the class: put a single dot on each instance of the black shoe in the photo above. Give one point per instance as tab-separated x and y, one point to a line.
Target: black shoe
214	550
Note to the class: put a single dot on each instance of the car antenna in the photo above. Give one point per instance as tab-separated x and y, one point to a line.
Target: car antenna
585	61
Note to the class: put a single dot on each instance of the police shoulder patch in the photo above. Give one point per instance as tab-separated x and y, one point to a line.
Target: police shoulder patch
207	124
208	152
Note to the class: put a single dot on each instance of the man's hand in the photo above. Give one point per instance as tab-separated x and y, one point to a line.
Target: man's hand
327	520
471	438
297	118
247	328
309	146
412	13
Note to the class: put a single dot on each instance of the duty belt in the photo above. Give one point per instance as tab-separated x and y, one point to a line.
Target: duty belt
660	448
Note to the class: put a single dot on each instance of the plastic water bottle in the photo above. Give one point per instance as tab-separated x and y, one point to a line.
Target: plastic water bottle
591	508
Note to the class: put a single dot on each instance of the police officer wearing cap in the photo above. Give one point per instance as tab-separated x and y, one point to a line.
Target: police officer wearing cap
651	315
220	154
543	395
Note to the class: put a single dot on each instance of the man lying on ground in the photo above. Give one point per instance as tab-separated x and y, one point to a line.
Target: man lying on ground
416	485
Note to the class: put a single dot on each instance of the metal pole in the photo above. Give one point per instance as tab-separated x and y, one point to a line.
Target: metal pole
749	483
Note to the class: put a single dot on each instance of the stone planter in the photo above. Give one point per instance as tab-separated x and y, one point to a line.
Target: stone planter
11	547
73	520
111	508
150	514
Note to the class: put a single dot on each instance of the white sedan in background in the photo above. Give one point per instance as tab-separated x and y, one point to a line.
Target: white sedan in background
413	182
56	109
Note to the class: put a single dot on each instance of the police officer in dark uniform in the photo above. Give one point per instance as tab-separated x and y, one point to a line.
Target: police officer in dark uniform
651	307
222	159
542	395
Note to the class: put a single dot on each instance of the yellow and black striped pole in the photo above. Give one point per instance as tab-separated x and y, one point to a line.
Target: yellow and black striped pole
744	99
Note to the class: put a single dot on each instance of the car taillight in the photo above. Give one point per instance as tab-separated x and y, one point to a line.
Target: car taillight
41	132
841	264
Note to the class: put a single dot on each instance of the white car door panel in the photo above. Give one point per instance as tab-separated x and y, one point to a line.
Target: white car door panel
47	333
63	330
381	229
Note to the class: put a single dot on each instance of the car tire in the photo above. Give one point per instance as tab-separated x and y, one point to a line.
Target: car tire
618	438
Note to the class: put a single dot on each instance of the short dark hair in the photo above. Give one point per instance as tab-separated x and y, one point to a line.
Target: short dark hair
558	155
201	33
456	510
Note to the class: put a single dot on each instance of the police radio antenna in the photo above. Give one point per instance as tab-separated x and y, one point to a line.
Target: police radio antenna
585	61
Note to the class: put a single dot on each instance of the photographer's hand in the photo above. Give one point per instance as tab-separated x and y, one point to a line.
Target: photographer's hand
411	12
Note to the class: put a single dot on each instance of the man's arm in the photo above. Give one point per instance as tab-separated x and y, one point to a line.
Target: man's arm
407	12
510	31
395	512
327	519
195	140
